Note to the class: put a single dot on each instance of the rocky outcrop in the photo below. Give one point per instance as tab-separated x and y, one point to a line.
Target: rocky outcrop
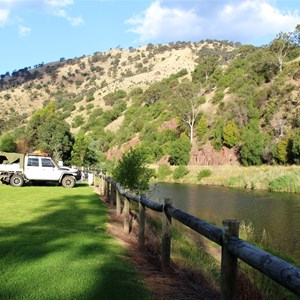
208	156
116	153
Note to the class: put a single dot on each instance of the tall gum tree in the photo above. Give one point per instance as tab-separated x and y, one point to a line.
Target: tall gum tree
187	104
284	44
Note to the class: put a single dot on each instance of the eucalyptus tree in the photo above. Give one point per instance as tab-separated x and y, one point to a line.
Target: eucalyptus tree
284	44
187	104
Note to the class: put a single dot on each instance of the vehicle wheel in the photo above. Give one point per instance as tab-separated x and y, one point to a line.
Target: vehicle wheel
16	180
68	182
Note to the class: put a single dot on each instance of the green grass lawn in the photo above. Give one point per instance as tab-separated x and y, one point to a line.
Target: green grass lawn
54	245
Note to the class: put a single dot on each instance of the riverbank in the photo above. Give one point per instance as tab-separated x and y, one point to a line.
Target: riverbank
272	178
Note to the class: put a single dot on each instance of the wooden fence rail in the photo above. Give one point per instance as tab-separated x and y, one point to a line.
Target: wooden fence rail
233	248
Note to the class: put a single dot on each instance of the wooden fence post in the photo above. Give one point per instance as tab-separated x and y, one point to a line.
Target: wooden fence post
142	220
126	215
99	183
103	186
107	191
166	238
230	228
118	203
112	194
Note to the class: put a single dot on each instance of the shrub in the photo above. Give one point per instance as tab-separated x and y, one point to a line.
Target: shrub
285	183
89	106
218	97
231	134
7	143
78	121
201	127
282	151
180	151
134	163
164	171
180	171
252	148
295	146
204	173
110	98
7	97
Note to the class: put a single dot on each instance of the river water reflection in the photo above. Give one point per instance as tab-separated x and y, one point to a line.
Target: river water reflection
277	213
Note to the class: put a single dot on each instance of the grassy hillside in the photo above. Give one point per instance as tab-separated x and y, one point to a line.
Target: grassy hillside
235	104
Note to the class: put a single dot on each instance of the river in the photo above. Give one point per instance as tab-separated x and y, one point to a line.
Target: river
277	213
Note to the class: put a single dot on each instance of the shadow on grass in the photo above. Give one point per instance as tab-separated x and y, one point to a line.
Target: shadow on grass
79	184
65	253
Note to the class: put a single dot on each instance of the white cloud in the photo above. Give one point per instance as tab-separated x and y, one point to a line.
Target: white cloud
4	16
254	19
24	31
52	7
246	21
159	22
74	21
59	3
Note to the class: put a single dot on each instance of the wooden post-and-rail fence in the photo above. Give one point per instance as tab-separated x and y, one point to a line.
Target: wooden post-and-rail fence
233	248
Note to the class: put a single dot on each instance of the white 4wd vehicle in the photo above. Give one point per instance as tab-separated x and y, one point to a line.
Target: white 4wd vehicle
17	168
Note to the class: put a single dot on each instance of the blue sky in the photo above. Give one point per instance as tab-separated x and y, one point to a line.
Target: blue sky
35	31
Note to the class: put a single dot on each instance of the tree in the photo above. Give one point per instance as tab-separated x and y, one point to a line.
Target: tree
252	144
82	154
134	163
217	135
202	127
231	134
48	131
7	143
282	150
205	68
187	105
180	151
295	146
284	44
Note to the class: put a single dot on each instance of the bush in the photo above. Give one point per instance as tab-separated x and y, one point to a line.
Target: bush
285	183
231	134
110	98
218	97
164	171
78	121
204	173
201	127
252	147
180	171
7	143
180	151
133	163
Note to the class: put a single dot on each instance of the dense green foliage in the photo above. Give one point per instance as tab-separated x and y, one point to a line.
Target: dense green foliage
204	173
180	151
230	134
48	131
252	147
7	143
285	183
131	171
82	152
164	171
180	171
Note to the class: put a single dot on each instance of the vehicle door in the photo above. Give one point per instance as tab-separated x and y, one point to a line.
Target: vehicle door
32	168
49	171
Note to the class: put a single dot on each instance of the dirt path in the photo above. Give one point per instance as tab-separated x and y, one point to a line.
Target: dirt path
162	286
